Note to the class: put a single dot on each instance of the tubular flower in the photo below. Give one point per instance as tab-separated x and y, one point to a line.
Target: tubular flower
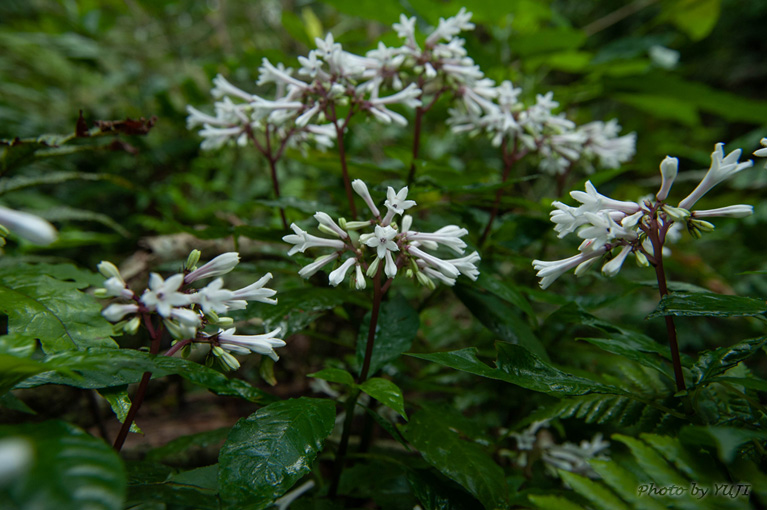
186	312
605	224
394	246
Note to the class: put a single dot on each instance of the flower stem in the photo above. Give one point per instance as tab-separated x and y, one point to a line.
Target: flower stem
654	235
138	398
276	187
351	401
419	111
340	129
508	162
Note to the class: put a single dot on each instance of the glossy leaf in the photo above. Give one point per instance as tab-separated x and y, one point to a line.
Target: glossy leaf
268	452
709	305
104	368
385	392
69	469
518	366
52	310
726	440
501	318
717	361
335	375
464	462
396	329
119	401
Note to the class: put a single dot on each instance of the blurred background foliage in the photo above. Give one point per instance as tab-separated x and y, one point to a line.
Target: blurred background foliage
114	60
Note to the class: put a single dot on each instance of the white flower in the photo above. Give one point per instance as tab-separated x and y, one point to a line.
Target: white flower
222	264
115	287
16	456
186	317
359	278
593	201
663	57
382	240
162	295
722	167
28	226
449	236
257	292
318	264
669	168
613	267
467	265
325	219
762	153
115	312
302	241
244	344
396	203
390	269
451	26
548	271
361	189
213	297
732	211
338	275
444	267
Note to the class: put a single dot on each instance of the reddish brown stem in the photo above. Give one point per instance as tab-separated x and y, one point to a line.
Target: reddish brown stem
138	398
508	162
416	143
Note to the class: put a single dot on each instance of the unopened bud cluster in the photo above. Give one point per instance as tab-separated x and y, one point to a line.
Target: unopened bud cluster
186	312
394	246
606	224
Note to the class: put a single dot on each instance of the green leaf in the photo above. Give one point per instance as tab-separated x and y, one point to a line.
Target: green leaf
718	361
335	375
18	346
652	462
63	213
14	370
385	392
396	329
268	452
626	347
553	503
181	445
168	494
500	318
464	462
386	12
598	494
518	366
104	368
663	107
298	308
120	403
708	305
696	18
436	492
726	440
23	181
52	310
625	483
69	469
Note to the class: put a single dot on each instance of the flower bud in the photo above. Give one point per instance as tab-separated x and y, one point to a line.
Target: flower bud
100	293
373	268
4	231
641	259
676	213
108	270
668	171
192	260
425	280
131	327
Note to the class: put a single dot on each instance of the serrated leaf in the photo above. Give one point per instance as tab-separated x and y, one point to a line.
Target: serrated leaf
396	329
119	401
385	392
51	310
462	461
652	462
501	318
708	305
69	469
104	368
268	452
600	496
518	366
335	375
625	483
718	361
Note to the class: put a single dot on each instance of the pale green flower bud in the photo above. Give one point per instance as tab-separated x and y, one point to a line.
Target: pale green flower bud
676	213
4	231
131	327
425	280
641	259
373	268
192	260
100	293
703	226
109	270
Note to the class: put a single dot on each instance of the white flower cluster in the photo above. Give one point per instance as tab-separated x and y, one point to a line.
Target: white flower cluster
497	112
304	106
27	226
185	312
604	223
566	456
395	245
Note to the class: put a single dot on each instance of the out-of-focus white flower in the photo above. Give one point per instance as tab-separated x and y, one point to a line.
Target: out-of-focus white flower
28	226
318	264
115	287
663	57
16	456
115	312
